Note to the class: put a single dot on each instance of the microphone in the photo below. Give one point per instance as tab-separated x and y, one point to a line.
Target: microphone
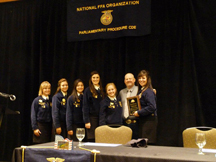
12	97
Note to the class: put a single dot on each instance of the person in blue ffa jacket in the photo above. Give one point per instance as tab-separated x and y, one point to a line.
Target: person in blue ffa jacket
59	103
110	107
91	105
148	113
41	118
74	114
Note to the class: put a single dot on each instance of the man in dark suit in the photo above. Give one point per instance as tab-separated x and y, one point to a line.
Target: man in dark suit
130	91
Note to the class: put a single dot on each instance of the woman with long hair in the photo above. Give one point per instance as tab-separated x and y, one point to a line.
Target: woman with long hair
74	114
59	103
91	105
148	112
41	117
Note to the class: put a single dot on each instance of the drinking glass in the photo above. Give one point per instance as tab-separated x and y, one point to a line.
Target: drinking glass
200	141
80	134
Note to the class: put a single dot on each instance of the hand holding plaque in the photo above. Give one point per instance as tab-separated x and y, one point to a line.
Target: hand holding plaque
133	104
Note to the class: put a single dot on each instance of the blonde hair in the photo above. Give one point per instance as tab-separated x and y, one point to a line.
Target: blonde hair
59	84
44	84
109	84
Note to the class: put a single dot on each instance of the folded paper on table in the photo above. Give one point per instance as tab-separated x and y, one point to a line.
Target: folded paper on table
209	151
101	144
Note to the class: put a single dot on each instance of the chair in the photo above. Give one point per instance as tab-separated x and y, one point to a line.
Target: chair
117	135
190	133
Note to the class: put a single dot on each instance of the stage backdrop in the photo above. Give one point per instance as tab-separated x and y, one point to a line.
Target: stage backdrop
102	19
179	53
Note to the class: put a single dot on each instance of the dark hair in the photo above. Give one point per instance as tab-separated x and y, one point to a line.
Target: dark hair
74	91
91	86
59	84
144	73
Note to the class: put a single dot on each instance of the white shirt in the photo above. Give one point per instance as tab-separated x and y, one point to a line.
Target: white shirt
45	97
112	98
64	94
97	87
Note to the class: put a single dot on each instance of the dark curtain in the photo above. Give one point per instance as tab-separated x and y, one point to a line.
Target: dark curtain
179	53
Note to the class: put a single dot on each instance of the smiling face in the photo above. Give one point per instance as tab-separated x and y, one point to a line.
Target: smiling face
80	87
46	91
111	91
95	79
129	80
64	86
142	81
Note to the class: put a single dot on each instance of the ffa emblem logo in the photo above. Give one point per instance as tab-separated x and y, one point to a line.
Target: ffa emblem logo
63	101
77	104
112	105
40	102
52	159
106	18
120	103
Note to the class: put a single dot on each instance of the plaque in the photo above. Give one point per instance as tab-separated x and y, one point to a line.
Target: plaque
133	104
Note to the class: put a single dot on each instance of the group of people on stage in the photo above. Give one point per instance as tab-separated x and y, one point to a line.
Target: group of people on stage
91	108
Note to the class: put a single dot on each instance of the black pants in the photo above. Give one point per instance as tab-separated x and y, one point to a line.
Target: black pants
46	131
134	127
94	120
148	128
